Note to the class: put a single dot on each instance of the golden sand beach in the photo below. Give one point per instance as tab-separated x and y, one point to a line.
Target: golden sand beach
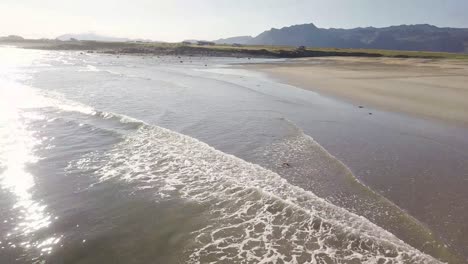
427	88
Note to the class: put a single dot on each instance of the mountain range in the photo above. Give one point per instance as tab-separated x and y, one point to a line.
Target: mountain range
421	37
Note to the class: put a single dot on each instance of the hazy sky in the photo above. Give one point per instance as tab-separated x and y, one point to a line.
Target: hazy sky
174	20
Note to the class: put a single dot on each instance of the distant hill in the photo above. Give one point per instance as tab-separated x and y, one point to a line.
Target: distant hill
11	38
97	37
234	40
420	37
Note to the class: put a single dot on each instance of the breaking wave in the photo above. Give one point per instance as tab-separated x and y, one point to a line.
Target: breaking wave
254	215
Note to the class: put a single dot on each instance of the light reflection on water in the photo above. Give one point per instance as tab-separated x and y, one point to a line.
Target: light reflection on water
16	154
17	114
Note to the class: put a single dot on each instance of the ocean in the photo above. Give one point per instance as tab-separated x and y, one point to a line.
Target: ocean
146	159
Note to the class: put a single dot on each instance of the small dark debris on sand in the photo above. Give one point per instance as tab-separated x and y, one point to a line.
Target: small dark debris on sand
361	106
286	165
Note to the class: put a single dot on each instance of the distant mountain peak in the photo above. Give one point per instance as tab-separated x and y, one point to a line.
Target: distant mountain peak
309	25
234	40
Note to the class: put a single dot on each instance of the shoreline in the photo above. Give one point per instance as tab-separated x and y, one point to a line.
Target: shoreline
354	122
413	160
433	89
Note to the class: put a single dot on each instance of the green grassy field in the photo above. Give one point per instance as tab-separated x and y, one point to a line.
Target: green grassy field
310	51
399	53
344	52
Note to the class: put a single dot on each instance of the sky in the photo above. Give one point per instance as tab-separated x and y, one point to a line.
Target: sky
176	20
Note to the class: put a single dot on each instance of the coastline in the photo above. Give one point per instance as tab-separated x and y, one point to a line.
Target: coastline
326	120
434	89
416	161
222	50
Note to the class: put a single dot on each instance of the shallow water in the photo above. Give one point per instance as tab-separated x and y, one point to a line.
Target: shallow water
139	159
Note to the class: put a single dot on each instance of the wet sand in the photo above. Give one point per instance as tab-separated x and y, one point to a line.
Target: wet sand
412	149
426	88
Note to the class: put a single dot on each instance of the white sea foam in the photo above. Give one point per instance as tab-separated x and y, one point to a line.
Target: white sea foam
255	215
90	68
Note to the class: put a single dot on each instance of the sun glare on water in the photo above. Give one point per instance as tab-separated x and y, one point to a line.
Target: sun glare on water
17	153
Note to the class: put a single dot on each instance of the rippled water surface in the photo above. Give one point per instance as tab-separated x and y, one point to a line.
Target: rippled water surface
109	159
